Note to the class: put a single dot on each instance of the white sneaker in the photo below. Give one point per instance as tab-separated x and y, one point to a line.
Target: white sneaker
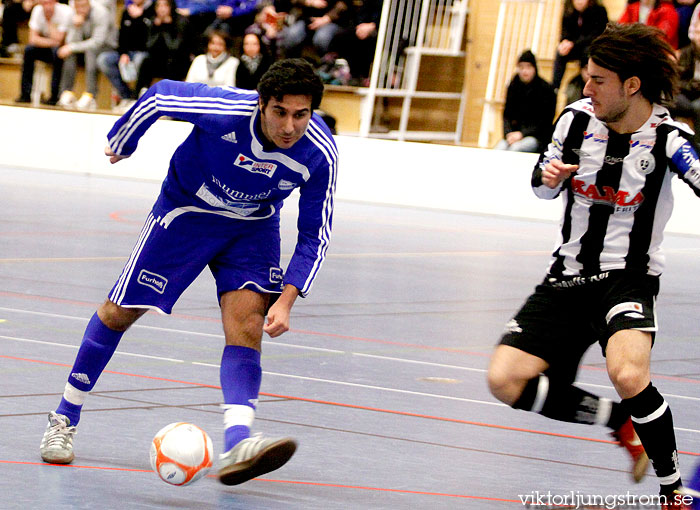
67	99
254	456
57	443
86	102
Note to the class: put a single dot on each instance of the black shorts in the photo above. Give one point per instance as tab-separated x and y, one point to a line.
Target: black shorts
564	317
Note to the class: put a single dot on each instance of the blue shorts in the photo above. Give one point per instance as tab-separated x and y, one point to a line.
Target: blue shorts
177	243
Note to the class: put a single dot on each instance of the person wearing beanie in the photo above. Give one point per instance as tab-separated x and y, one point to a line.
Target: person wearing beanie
529	109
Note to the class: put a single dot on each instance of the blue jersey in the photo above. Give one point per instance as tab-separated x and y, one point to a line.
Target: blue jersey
226	167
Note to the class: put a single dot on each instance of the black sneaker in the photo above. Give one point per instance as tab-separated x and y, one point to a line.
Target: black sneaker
23	99
50	101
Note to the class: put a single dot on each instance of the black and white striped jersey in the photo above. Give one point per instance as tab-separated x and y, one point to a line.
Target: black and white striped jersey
616	205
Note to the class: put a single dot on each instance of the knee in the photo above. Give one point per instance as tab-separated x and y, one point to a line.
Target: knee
118	318
503	385
628	379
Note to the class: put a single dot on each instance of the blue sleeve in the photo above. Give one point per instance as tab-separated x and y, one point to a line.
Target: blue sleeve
684	159
197	6
315	214
207	107
241	7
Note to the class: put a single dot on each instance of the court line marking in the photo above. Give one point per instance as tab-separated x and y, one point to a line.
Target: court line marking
218	321
367	386
265	372
355	406
294	482
373	255
330	381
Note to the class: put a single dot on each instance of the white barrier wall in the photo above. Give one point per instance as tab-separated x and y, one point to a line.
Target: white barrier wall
402	173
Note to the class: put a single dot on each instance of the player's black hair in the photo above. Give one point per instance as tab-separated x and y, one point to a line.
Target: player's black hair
293	76
638	50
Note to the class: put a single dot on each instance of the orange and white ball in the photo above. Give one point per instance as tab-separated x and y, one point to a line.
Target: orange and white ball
181	453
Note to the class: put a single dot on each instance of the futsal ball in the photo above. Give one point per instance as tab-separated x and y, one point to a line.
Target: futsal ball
181	453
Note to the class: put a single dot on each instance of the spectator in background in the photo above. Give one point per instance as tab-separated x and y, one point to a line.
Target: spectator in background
687	103
14	13
267	24
318	20
48	25
656	13
199	15
165	45
694	23
529	109
254	62
234	16
92	32
574	90
356	44
131	51
685	9
583	21
217	67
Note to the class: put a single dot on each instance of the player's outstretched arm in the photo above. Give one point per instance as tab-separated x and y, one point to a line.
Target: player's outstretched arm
555	172
278	315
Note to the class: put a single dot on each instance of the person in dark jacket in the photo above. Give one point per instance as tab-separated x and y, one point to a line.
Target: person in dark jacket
529	109
254	62
167	52
583	21
131	50
686	104
356	43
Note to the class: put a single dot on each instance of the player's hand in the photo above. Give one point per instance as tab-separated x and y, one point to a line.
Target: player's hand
278	314
555	172
277	320
113	158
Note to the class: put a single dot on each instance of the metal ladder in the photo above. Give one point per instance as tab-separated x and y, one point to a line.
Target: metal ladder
408	30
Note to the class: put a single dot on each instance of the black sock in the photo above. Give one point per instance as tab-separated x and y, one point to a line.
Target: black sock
566	402
653	423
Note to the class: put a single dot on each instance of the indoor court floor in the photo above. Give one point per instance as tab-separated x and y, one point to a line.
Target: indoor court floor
381	378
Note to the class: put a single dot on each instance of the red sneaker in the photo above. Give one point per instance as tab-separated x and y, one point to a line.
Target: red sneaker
630	440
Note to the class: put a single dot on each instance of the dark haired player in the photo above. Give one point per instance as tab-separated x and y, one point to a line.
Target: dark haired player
611	159
219	207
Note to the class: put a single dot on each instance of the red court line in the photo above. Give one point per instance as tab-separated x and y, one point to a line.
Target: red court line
291	482
381	489
105	468
217	320
354	406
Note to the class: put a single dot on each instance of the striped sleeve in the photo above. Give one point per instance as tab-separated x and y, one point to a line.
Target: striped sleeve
683	158
206	107
315	213
554	150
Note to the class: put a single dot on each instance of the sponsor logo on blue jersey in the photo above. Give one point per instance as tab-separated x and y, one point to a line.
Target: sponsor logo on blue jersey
256	167
152	280
276	275
286	185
